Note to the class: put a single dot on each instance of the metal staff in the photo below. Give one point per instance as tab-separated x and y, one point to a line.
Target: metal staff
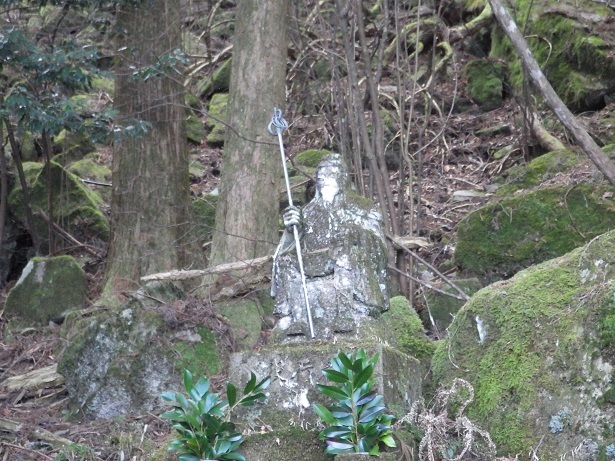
280	125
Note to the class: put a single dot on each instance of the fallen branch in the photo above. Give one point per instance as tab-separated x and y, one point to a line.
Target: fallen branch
425	284
546	140
34	380
583	139
256	263
469	28
68	236
220	269
14	427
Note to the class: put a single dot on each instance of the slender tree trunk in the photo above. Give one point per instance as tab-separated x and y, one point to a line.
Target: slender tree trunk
150	214
248	211
540	82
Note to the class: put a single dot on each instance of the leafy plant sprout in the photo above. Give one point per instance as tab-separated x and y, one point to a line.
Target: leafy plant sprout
357	421
202	419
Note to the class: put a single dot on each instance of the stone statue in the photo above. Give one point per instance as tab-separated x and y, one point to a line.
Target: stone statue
344	255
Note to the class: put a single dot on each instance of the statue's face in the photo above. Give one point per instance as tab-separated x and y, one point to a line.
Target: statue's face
327	181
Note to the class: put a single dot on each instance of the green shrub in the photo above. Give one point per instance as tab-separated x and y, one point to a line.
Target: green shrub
357	422
202	419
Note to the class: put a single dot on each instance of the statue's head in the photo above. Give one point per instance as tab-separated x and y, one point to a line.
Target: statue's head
331	178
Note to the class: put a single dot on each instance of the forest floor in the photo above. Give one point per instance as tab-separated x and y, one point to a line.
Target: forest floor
466	164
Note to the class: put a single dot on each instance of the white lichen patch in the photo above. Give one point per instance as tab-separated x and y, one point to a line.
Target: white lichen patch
126	315
26	271
482	329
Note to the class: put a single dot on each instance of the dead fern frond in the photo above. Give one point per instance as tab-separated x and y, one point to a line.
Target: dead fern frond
447	433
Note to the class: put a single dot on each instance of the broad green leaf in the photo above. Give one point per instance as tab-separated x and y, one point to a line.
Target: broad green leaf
335	376
376	401
336	432
324	414
251	399
375	450
365	398
168	396
210	401
181	399
187	380
334	392
233	457
363	376
346	360
371	414
251	384
187	457
263	384
202	386
389	441
334	447
231	394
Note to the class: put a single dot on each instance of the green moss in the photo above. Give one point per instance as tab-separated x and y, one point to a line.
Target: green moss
530	327
204	214
245	317
194	129
403	323
537	171
71	146
502	237
201	358
296	444
48	288
217	110
76	206
310	157
88	168
485	82
222	77
443	308
572	54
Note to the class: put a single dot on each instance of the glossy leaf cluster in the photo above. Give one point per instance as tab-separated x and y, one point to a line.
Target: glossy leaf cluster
202	418
357	421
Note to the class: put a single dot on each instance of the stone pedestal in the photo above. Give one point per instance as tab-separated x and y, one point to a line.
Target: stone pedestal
295	370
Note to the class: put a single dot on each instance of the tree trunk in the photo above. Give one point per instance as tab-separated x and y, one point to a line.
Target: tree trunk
248	210
540	82
150	204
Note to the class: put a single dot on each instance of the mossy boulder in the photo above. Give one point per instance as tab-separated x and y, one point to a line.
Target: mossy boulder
47	290
539	350
405	330
441	309
90	168
217	112
119	361
76	207
245	316
218	82
538	170
572	42
505	236
194	129
485	82
70	147
311	157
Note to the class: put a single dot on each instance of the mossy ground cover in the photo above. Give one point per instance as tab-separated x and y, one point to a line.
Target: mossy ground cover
505	236
75	206
539	353
571	50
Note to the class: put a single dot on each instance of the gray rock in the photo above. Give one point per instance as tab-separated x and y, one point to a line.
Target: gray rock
48	289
